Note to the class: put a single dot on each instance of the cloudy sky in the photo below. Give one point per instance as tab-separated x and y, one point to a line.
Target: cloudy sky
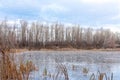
84	12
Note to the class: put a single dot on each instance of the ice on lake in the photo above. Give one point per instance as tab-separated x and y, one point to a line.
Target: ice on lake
80	64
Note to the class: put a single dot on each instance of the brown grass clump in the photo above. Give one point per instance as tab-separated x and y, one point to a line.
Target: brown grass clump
63	70
85	71
101	76
10	71
25	69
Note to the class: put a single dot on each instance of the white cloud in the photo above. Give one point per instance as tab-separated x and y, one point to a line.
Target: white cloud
112	27
99	1
20	3
116	17
71	11
50	12
49	18
53	7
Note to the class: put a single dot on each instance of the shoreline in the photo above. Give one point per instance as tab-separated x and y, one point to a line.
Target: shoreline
60	49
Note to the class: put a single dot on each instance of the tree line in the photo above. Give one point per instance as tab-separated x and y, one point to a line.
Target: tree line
37	35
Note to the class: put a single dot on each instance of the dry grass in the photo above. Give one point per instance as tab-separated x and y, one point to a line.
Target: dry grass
101	76
61	72
16	50
62	68
10	71
62	49
19	50
85	71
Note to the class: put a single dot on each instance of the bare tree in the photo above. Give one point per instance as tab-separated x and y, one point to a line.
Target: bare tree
23	33
38	35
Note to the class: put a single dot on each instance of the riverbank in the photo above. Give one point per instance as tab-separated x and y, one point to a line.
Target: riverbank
60	49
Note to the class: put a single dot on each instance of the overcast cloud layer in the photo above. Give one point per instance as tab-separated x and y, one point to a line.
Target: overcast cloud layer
84	12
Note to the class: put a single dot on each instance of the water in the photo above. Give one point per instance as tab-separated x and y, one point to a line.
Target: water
80	64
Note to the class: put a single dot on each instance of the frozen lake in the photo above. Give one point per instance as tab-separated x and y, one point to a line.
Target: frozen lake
80	64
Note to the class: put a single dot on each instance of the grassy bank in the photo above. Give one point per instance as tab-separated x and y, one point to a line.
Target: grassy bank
60	49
